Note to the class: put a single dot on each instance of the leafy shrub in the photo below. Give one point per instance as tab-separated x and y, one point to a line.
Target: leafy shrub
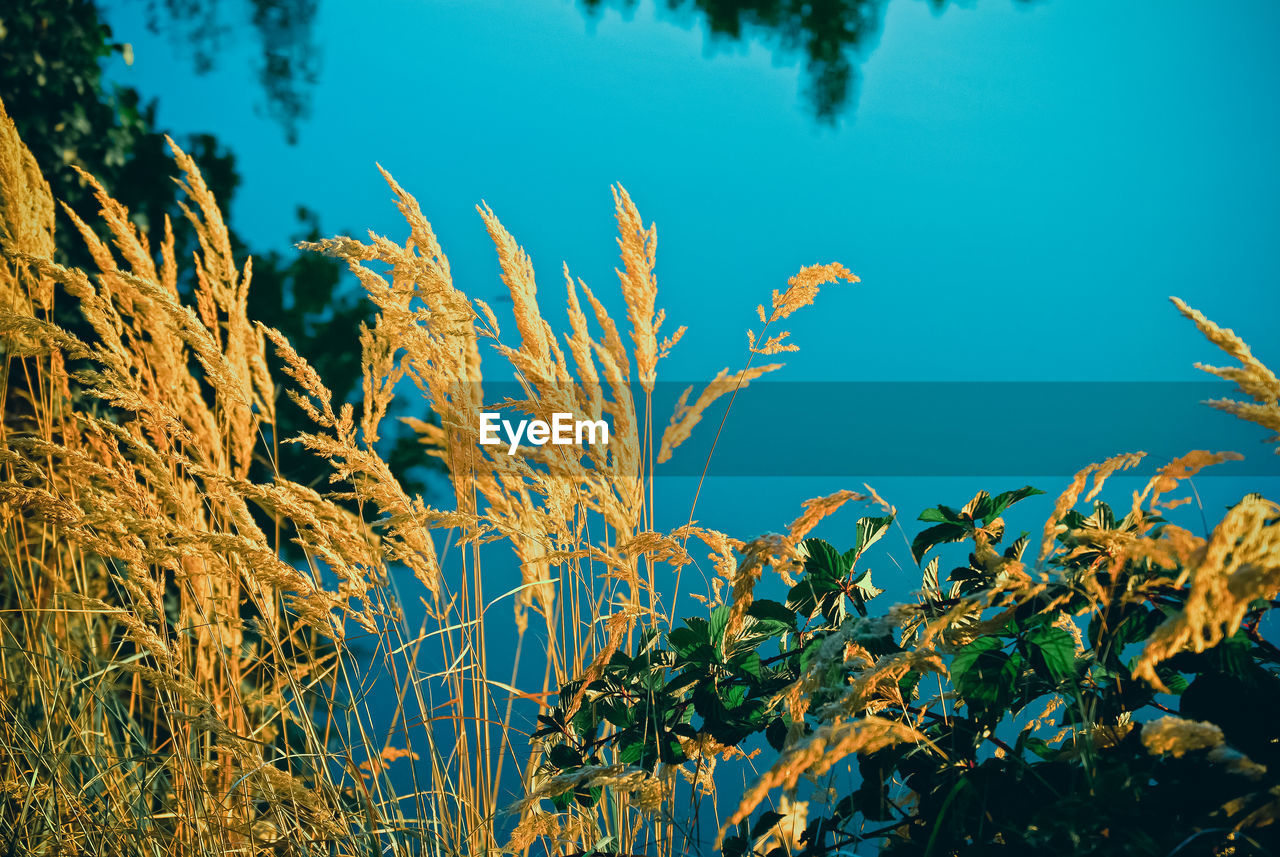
1010	711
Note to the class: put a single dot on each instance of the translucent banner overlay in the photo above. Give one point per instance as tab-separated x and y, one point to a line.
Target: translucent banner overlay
869	429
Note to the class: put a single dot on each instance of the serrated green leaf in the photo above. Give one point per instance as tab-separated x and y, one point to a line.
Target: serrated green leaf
976	508
929	585
1015	550
685	641
719	621
869	531
632	752
763	608
1006	499
806	595
765	823
734	846
564	756
967	656
1040	747
1053	652
619	714
1174	680
863	591
939	515
821	559
748	664
776	734
864	587
987	683
933	536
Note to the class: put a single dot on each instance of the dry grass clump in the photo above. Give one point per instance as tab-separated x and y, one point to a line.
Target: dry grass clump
162	667
171	685
1178	736
1253	378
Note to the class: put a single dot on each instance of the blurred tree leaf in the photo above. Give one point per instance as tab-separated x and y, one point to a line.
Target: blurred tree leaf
830	36
51	58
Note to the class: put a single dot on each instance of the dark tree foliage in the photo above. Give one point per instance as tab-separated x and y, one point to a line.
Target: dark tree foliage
51	58
831	36
290	60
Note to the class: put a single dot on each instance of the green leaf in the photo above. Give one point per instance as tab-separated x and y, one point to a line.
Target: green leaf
619	713
585	721
1040	747
719	621
989	686
776	733
985	676
564	756
733	696
763	608
686	640
864	591
1234	655
967	656
821	560
672	753
746	664
940	534
762	629
734	846
1137	626
687	678
589	796
806	595
1053	652
1015	550
929	585
864	587
685	730
940	515
765	823
1174	680
870	531
631	753
1102	518
771	620
977	508
1003	501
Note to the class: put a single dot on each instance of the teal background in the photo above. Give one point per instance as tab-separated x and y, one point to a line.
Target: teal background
1028	180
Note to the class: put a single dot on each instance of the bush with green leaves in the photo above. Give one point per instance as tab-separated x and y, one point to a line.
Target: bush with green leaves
1024	687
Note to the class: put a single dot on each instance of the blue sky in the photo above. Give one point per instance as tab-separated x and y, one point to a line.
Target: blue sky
1028	180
